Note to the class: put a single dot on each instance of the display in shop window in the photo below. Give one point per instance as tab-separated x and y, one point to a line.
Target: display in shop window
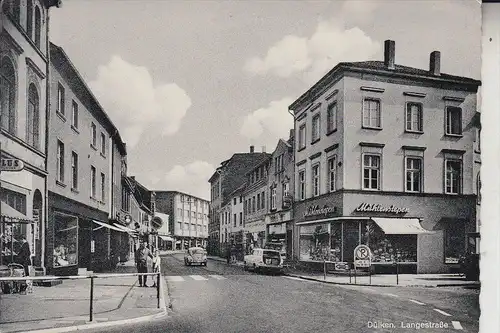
65	240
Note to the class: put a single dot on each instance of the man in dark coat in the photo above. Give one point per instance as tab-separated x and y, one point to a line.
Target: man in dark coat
141	261
24	255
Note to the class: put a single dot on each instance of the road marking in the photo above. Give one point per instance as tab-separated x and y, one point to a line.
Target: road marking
392	295
197	277
174	278
457	325
297	279
370	289
442	312
217	277
417	302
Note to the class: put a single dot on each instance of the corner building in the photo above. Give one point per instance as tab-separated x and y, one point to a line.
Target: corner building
384	156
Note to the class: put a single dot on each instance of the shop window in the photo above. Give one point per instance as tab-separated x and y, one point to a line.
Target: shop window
413	174
302	185
371	172
414	117
454	241
315	180
332	174
316	128
314	242
371	113
331	117
7	95
65	240
335	242
33	126
453	120
453	182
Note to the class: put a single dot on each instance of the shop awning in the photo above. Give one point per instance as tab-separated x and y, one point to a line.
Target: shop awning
105	225
10	215
400	226
124	228
166	238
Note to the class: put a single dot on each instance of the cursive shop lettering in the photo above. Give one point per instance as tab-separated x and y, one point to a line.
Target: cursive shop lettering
316	210
376	208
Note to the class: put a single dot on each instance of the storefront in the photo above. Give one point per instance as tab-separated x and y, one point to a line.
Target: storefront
255	234
424	234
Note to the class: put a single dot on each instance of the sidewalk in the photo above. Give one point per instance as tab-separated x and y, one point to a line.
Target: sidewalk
117	300
238	263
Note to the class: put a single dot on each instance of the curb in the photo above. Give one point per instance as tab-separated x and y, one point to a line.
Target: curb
163	313
384	285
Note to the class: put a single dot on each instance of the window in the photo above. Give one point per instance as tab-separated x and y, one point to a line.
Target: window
316	128
371	172
414	117
253	204
103	187
234	201
273	197
332	174
286	189
65	240
453	176
7	95
125	199
258	201
331	117
454	241
241	199
371	113
278	164
234	220
479	140
453	120
33	121
478	188
413	174
315	180
103	144
74	118
302	185
302	136
38	27
60	99
93	193
241	218
263	198
60	161
74	170
93	132
29	18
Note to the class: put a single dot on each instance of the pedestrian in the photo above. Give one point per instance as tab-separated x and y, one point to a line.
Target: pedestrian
24	255
141	262
228	254
156	265
233	254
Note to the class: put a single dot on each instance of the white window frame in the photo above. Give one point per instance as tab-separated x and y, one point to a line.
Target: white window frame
93	182
60	161
302	184
103	187
379	169
332	173
412	172
315	179
409	117
302	136
273	197
61	91
103	144
369	125
331	117
74	114
449	123
316	127
286	189
460	176
74	170
93	135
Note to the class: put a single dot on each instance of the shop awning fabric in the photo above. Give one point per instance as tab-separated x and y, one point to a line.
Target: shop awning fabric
400	226
166	238
10	215
105	225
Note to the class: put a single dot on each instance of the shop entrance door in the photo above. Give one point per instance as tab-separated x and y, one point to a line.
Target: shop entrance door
84	237
289	243
350	239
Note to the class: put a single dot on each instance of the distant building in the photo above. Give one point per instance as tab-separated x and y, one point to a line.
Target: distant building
188	217
384	156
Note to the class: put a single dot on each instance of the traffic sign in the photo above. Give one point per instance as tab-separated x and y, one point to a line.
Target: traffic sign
341	266
157	222
362	263
362	256
11	164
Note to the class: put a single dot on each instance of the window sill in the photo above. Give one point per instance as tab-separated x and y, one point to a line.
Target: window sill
75	129
413	132
314	141
453	135
413	192
331	132
301	148
453	194
93	147
371	189
61	184
62	116
477	151
103	155
74	190
371	128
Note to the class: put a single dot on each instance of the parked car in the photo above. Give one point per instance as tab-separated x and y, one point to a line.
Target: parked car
278	247
264	260
195	255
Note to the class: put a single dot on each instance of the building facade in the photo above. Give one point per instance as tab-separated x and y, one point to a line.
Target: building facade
256	203
188	218
279	219
24	58
226	179
384	157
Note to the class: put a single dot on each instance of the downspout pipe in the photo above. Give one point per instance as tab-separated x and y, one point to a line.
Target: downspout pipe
45	219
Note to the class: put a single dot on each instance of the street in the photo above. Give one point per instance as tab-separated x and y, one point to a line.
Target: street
221	298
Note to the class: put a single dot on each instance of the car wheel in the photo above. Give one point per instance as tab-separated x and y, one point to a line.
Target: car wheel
254	268
245	266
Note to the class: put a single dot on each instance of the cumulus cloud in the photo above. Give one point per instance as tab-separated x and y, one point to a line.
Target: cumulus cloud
330	44
191	178
134	102
273	119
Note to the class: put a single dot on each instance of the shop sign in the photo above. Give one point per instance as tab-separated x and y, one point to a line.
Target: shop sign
92	246
377	208
11	164
316	210
341	266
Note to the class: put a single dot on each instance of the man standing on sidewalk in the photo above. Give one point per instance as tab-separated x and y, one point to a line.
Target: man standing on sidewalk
141	261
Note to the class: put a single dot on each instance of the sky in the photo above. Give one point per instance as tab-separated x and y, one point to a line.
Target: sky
189	83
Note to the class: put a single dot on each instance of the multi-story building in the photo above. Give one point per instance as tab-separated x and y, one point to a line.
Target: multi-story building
255	196
279	219
385	157
188	217
24	54
227	178
81	143
235	227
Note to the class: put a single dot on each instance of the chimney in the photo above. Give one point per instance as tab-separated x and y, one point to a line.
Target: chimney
263	149
435	63
389	53
252	149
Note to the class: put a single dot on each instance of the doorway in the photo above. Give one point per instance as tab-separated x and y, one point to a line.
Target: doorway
36	231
